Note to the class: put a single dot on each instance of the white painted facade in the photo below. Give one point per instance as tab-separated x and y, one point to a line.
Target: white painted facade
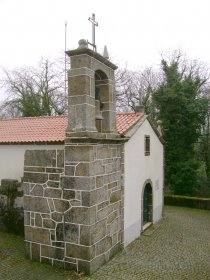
12	159
138	169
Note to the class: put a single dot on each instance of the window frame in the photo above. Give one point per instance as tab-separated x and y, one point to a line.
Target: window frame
147	145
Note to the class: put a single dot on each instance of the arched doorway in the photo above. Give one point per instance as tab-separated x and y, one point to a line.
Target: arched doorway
147	205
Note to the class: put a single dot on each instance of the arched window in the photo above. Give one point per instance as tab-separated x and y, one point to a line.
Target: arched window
102	100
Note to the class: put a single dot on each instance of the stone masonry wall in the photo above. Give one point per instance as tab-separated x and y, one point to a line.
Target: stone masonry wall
73	217
93	174
44	204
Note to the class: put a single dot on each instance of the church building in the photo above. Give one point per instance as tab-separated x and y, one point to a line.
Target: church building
93	180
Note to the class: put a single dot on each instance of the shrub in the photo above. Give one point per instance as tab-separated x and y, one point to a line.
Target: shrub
13	220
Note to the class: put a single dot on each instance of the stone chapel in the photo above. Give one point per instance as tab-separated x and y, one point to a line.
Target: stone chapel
99	188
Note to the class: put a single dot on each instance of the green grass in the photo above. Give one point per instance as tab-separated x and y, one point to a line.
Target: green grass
14	266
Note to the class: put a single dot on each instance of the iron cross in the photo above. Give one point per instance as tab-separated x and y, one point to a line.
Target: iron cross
94	24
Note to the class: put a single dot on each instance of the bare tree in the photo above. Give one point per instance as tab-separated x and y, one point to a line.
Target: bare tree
136	87
35	91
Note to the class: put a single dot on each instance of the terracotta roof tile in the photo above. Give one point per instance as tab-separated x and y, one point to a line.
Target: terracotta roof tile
127	120
50	129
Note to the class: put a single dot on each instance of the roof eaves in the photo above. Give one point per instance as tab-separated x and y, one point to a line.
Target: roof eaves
130	132
57	142
156	131
124	133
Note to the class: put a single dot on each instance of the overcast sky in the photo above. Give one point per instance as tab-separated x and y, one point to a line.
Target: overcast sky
135	31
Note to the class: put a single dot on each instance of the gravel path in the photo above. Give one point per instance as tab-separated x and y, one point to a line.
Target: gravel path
179	249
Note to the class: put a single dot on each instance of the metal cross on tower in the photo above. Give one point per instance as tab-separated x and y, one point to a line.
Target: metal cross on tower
94	24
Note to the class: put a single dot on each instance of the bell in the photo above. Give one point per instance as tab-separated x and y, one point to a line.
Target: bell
98	111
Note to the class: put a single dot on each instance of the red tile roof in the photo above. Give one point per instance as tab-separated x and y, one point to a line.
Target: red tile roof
127	120
50	129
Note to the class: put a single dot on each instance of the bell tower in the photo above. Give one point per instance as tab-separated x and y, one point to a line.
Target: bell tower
92	167
91	93
73	196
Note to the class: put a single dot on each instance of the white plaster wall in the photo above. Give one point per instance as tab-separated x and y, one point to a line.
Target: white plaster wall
12	159
138	169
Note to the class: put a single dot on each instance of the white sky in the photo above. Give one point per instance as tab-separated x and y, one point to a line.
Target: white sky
135	31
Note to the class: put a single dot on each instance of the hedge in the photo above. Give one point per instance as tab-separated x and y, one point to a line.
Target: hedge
11	218
187	201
